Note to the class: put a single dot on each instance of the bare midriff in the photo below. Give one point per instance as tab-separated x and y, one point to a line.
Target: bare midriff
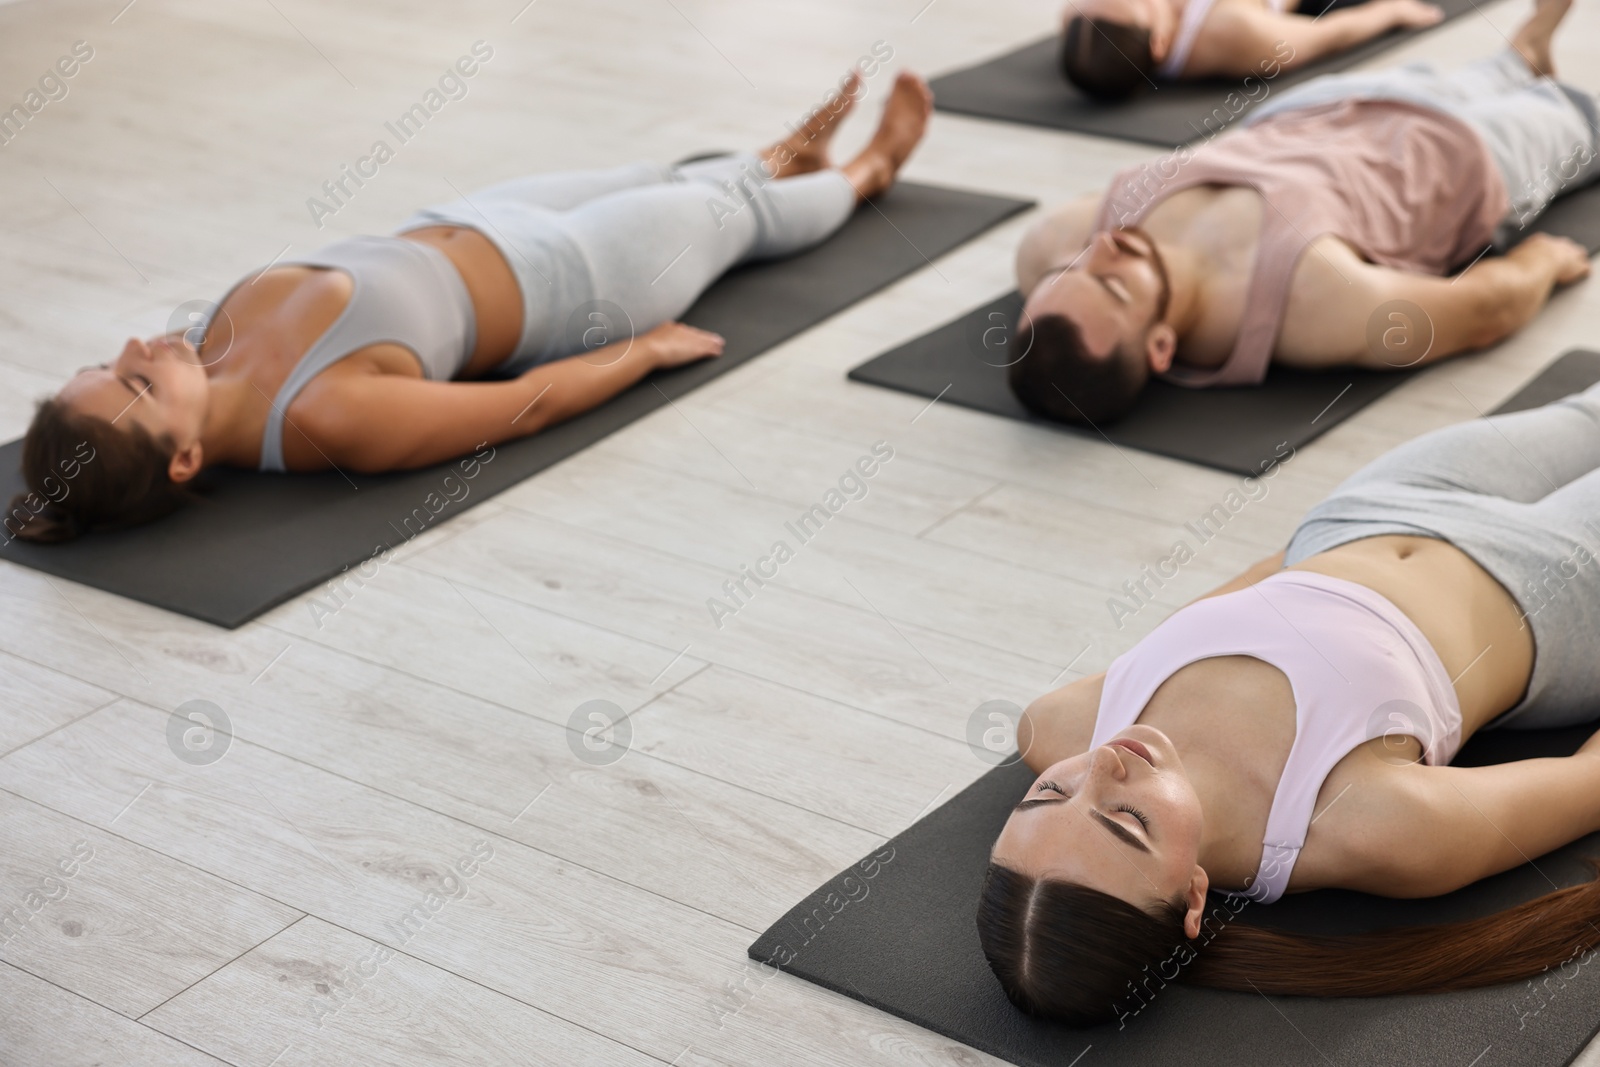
496	297
1468	617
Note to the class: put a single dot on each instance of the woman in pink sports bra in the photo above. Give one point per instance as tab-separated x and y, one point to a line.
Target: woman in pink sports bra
1111	49
1293	729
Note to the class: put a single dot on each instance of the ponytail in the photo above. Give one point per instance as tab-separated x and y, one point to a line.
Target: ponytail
85	474
1081	956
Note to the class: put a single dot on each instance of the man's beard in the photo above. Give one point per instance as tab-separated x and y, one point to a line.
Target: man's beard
1157	262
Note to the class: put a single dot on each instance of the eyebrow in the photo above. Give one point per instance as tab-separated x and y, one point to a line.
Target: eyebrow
1109	823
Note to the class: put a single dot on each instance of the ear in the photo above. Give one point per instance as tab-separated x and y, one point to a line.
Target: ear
186	463
1160	347
1195	898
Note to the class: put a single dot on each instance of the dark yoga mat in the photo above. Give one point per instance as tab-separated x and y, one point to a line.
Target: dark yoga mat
255	540
1233	429
897	932
1026	86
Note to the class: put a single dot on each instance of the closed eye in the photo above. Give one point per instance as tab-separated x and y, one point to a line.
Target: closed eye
1119	292
1136	813
1034	798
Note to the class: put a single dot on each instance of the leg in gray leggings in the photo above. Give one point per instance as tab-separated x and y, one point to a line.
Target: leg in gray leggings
1520	494
1542	134
645	239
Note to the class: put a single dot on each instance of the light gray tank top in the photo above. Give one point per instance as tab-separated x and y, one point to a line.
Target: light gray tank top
402	292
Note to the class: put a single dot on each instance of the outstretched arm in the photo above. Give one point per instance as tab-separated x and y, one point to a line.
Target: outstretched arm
386	422
1436	829
1343	310
1240	41
1054	240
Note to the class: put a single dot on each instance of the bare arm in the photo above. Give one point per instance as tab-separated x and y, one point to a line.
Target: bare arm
1241	40
1054	240
1357	313
384	422
1441	828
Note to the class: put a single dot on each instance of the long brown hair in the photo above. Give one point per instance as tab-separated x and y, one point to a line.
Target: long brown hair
85	474
1081	956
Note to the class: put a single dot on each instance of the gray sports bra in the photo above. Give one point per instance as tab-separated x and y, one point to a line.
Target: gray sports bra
402	292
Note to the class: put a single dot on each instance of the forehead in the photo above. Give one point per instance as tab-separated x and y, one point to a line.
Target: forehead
97	391
1059	841
1081	297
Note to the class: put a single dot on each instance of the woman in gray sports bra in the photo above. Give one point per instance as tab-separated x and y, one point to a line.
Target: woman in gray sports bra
369	355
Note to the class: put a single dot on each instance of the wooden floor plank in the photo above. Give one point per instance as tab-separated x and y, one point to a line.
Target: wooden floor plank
46	1025
320	995
37	700
552	935
117	924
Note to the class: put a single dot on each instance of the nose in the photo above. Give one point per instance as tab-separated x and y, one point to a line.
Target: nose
1106	761
133	353
1104	252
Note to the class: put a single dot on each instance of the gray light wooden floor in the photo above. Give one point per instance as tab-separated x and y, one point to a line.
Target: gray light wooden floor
302	900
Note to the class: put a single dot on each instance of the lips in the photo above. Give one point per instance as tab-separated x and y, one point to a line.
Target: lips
1136	747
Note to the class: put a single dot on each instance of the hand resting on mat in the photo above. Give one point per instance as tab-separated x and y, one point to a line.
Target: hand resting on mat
1293	730
480	321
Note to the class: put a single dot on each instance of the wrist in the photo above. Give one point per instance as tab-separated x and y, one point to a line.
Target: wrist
645	350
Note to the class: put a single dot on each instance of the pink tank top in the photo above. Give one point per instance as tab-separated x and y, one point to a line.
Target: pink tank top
1359	669
1405	186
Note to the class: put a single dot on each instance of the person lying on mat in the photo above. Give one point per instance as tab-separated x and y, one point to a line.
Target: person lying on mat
1292	730
1112	49
1196	267
362	356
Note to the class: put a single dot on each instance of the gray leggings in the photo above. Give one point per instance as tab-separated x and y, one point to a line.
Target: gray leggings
1543	135
1520	494
605	254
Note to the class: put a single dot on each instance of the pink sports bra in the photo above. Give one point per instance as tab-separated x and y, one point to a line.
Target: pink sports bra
1358	667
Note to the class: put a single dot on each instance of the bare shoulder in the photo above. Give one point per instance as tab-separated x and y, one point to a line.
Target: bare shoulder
1364	832
1058	235
1330	301
1233	40
1060	724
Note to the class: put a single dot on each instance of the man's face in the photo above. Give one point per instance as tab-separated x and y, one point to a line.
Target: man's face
1114	291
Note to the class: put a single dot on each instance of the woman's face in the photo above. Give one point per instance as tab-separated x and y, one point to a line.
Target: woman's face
157	384
1122	818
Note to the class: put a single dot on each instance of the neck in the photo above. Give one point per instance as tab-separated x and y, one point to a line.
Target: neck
229	436
1230	839
1185	297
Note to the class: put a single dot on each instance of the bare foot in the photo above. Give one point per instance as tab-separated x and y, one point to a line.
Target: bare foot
905	120
806	150
1532	41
